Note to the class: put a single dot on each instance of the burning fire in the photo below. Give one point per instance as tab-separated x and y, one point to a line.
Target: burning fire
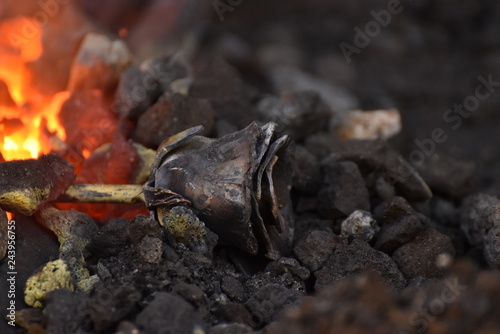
27	117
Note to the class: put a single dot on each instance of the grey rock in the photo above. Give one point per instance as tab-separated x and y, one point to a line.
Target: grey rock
150	250
348	261
492	247
419	257
343	191
142	226
299	114
167	314
399	224
268	302
360	224
233	288
314	248
472	216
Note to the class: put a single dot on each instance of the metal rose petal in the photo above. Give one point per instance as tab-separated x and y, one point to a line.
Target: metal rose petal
239	185
215	175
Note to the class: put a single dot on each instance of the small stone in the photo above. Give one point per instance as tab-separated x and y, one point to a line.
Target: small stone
420	256
348	261
368	125
191	292
492	247
99	63
447	175
150	250
268	302
233	288
111	239
343	191
168	314
298	114
66	312
286	265
313	249
307	172
142	226
472	220
360	224
399	224
173	113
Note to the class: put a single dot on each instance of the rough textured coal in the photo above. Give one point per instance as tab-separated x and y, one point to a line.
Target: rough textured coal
399	224
349	260
343	191
172	113
420	256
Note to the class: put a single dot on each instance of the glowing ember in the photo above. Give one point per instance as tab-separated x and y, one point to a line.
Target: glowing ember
23	126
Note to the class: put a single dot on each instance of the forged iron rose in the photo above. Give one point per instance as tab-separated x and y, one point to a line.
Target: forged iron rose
239	185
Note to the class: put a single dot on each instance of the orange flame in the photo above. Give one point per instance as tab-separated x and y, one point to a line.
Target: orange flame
27	115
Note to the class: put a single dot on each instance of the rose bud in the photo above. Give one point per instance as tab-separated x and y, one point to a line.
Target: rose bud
238	185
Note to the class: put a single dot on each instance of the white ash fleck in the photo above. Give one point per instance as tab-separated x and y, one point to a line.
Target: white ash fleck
360	225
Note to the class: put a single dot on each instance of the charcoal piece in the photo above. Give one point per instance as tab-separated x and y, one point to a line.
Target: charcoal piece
343	191
233	288
492	236
171	114
136	92
66	312
89	122
229	96
231	329
25	185
419	257
314	248
377	155
142	226
348	261
4	234
141	86
98	64
191	292
108	305
308	222
167	314
360	224
306	172
492	247
286	265
150	250
472	216
399	224
447	175
231	312
298	114
111	239
267	303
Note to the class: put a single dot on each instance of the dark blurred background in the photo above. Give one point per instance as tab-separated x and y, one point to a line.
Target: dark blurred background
427	58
